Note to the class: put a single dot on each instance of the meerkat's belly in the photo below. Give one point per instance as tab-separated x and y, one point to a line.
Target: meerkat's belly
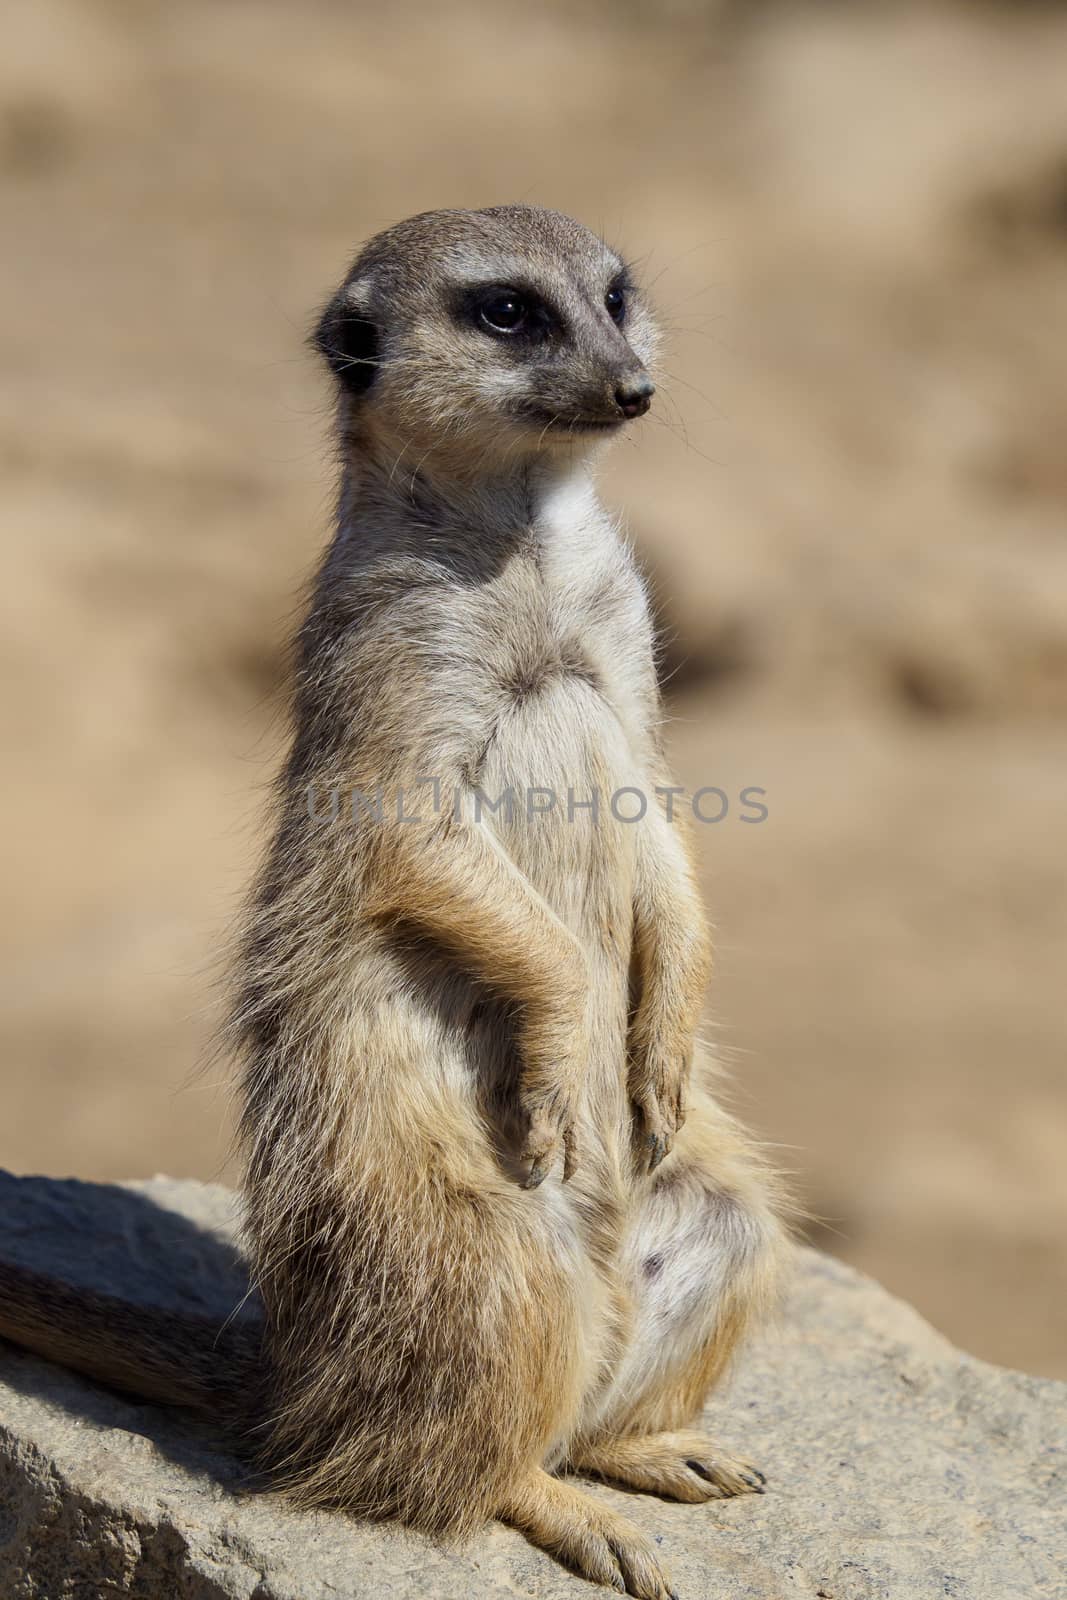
575	783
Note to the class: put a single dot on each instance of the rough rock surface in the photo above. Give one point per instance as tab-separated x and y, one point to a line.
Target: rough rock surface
898	1466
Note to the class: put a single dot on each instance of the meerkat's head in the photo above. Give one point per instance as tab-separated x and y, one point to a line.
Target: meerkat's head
483	335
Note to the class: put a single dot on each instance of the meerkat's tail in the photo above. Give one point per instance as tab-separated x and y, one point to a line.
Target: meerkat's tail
153	1354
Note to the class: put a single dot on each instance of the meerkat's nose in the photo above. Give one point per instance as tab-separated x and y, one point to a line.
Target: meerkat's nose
633	396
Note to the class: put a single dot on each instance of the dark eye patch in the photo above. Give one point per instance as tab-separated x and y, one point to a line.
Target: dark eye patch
507	312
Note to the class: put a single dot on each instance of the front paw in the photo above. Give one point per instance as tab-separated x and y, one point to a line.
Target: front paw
657	1090
550	1128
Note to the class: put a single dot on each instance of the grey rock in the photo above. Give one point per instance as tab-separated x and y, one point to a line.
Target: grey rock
898	1466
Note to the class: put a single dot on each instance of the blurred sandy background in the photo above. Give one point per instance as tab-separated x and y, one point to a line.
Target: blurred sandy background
853	505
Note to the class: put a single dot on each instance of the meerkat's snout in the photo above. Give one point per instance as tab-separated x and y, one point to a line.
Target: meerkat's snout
633	396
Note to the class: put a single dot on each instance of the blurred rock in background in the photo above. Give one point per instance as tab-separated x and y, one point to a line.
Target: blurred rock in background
852	499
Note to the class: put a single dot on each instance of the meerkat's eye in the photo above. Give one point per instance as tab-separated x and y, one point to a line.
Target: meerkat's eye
504	311
615	304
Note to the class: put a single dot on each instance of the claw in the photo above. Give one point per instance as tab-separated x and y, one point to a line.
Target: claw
536	1176
657	1149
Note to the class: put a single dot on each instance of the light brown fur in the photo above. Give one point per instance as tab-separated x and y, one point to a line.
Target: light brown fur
470	1040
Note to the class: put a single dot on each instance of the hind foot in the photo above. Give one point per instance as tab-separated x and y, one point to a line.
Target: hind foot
589	1538
678	1466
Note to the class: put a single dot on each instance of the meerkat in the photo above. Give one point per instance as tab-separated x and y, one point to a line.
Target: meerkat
501	1229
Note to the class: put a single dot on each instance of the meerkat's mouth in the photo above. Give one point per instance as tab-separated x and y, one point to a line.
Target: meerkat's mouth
560	422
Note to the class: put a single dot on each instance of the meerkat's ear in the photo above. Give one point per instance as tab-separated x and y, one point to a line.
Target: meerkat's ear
347	340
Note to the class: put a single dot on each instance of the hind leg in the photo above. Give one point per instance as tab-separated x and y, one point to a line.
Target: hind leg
701	1263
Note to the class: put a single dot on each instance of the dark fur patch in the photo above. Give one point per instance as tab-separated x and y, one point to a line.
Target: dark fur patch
573	660
525	678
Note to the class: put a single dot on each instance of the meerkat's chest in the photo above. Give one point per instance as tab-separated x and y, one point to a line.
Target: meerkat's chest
564	769
573	678
568	635
559	785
